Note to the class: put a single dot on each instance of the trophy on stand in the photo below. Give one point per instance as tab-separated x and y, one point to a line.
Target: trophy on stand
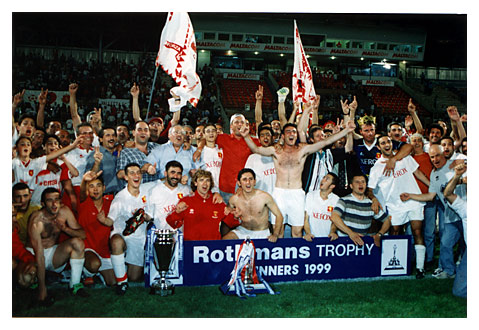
164	246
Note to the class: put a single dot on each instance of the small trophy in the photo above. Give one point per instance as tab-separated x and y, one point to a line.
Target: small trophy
164	246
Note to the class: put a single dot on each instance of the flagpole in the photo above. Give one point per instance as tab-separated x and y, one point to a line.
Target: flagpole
151	92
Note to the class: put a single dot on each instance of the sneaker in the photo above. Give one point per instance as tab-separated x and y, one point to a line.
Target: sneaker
443	275
121	288
79	290
282	93
420	273
134	222
437	271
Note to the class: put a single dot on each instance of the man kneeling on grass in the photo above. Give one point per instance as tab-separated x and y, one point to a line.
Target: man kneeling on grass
44	228
252	206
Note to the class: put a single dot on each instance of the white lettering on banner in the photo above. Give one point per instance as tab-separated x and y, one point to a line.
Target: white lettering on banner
340	250
114	102
378	82
278	270
204	255
241	76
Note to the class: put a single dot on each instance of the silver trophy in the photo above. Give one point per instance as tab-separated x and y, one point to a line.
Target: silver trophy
164	246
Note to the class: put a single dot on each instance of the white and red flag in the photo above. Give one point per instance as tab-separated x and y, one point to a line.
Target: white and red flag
303	88
177	56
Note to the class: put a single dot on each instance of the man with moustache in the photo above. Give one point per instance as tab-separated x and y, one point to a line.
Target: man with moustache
166	193
138	154
252	206
123	134
199	215
64	136
104	159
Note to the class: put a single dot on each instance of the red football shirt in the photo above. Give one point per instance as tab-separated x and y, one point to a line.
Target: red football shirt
201	219
97	234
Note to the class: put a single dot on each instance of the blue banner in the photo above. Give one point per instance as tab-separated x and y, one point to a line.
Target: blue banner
294	259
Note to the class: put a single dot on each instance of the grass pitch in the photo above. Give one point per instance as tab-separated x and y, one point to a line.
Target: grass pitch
378	298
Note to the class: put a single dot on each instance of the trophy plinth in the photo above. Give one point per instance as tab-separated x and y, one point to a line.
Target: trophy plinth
164	246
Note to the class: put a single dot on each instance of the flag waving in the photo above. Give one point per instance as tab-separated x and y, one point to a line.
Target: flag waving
303	88
177	56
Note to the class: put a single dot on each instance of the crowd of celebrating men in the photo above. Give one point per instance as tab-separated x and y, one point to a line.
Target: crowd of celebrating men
84	202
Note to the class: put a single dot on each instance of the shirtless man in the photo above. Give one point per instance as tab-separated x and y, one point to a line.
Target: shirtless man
289	162
252	206
44	228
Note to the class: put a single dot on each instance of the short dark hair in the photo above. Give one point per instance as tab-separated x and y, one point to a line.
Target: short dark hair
102	131
266	127
381	136
173	163
436	125
288	125
19	186
83	124
246	170
356	173
123	124
393	123
447	138
27	115
131	165
335	178
20	138
48	190
48	136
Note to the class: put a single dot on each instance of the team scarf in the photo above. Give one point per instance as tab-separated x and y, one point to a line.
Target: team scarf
245	269
177	56
303	88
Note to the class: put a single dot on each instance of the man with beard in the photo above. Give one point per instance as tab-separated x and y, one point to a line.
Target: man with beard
44	228
449	152
104	159
174	149
93	217
199	215
252	206
166	193
388	190
289	162
436	132
129	237
138	154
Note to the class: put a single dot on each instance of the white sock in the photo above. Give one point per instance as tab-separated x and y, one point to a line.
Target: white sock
77	267
119	267
420	255
87	273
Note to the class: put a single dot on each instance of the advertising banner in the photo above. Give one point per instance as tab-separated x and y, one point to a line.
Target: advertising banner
294	259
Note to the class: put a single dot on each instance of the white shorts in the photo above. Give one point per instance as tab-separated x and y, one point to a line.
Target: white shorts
243	233
135	249
105	262
399	218
48	255
291	205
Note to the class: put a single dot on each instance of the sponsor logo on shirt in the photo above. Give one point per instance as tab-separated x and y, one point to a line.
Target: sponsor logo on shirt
399	173
321	216
269	171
